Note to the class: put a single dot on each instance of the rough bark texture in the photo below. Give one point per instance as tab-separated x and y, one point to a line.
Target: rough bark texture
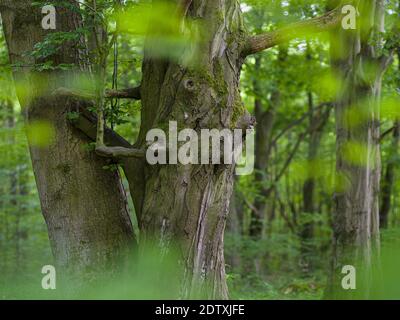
186	206
356	213
84	205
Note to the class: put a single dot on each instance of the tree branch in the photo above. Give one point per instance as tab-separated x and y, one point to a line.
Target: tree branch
86	122
250	205
290	224
120	148
268	40
129	93
301	119
386	133
119	152
290	157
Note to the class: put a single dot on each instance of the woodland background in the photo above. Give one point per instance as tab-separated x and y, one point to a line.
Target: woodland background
290	89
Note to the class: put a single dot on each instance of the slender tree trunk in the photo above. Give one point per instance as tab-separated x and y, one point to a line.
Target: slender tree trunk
265	123
318	120
389	178
307	228
84	205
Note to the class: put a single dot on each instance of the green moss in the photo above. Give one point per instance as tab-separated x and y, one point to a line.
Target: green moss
219	83
238	110
215	80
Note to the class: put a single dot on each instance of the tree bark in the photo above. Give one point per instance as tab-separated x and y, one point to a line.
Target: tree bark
186	207
84	205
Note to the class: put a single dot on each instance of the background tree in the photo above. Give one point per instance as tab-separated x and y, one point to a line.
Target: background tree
360	64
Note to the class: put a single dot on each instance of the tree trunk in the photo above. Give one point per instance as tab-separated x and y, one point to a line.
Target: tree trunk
187	206
84	205
307	228
356	216
389	178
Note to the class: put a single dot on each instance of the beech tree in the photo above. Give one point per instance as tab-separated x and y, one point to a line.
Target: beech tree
360	58
176	205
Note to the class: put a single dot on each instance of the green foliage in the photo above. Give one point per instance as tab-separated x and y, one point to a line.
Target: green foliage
53	42
161	24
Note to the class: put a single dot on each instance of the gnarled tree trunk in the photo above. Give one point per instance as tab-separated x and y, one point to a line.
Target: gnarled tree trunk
187	206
